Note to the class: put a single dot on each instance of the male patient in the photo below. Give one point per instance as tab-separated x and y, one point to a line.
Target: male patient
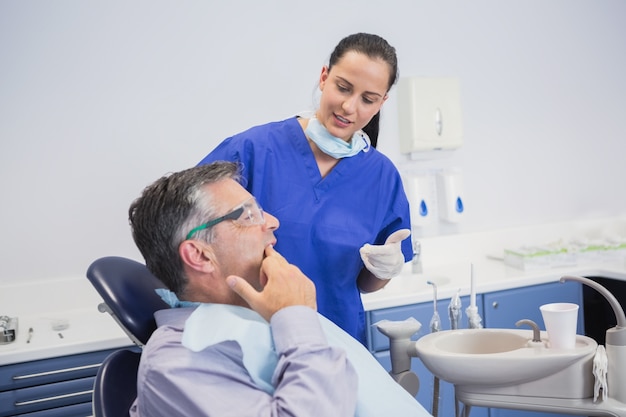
206	238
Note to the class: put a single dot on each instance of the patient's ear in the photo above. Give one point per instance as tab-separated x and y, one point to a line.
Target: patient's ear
197	255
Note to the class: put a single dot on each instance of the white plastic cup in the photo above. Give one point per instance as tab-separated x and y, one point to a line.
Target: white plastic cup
561	320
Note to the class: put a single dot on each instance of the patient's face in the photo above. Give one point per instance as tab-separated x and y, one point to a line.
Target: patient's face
240	249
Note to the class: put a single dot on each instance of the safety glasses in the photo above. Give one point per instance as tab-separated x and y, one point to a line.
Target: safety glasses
248	213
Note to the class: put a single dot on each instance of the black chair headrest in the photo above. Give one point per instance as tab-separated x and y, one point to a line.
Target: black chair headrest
128	290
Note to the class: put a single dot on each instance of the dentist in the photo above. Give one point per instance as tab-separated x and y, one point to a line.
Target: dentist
341	203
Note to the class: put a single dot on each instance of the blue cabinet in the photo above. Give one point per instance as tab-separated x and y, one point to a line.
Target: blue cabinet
499	309
55	387
423	312
504	308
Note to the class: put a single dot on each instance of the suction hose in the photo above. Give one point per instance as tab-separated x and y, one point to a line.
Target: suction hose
615	342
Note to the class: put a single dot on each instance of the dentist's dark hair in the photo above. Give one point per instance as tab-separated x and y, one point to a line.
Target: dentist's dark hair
168	209
374	47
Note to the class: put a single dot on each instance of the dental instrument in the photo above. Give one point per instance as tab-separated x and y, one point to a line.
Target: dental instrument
435	326
454	310
473	318
435	321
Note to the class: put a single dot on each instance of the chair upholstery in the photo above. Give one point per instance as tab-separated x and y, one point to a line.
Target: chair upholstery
115	386
127	289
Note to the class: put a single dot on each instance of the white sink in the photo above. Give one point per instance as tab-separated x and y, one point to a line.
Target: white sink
499	357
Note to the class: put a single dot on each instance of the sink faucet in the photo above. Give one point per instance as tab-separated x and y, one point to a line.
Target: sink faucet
615	341
416	262
536	333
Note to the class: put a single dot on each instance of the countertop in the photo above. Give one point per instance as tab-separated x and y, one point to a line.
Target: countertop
489	276
42	305
87	331
446	260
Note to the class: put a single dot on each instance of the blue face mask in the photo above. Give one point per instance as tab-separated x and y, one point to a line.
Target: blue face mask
334	146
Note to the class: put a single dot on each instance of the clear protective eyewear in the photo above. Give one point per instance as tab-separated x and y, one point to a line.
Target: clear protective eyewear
247	214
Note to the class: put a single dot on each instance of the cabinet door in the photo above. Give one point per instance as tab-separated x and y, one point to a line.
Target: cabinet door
422	312
504	308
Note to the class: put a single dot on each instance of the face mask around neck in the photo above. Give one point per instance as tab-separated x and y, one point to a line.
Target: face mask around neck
334	146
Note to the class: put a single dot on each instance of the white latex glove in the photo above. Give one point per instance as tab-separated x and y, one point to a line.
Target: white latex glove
385	261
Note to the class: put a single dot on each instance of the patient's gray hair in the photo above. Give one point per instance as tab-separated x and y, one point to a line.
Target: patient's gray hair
168	209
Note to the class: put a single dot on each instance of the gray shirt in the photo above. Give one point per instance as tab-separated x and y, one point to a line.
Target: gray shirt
312	378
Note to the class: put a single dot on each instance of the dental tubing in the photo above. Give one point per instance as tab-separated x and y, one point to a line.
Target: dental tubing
385	261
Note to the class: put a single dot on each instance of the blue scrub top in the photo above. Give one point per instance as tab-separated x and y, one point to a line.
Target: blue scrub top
323	221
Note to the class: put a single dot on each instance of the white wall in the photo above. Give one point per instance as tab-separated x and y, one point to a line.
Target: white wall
99	98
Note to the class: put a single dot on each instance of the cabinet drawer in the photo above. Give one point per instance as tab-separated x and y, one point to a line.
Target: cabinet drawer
75	410
25	400
45	371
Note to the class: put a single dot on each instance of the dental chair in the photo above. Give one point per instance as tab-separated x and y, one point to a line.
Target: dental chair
128	291
115	386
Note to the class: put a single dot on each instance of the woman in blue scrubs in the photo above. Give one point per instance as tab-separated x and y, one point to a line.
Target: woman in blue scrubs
338	199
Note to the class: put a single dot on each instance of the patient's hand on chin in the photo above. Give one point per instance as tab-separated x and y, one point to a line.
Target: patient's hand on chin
285	286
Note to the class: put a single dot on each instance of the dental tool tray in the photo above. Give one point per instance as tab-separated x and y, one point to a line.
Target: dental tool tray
8	329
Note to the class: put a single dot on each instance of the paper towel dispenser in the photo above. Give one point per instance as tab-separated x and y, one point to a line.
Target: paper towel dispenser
429	111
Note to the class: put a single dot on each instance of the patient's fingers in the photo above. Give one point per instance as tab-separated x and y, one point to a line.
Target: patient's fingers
243	288
271	252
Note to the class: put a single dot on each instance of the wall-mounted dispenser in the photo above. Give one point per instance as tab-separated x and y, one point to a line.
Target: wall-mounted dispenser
450	191
429	113
420	191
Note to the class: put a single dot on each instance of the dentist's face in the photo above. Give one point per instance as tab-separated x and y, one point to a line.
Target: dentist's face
353	91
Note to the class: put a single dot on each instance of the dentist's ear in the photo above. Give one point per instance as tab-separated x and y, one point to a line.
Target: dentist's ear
197	255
